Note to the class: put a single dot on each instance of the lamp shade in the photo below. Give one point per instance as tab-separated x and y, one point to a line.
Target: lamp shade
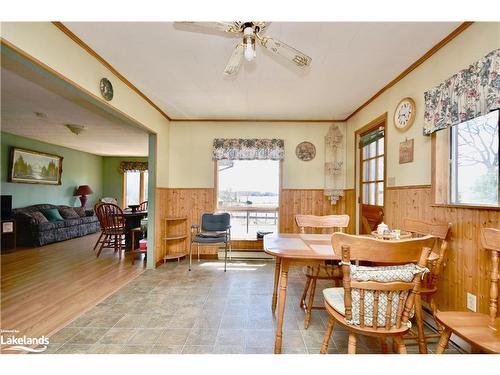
83	190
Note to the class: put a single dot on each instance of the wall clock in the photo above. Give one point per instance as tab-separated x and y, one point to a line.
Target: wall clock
404	115
305	151
106	89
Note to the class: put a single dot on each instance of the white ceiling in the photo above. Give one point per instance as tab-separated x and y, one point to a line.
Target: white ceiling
182	71
103	135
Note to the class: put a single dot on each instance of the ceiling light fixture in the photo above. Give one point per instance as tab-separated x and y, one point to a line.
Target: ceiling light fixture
75	129
249	43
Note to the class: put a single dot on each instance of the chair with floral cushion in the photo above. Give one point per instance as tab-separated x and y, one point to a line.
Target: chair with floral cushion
320	271
376	301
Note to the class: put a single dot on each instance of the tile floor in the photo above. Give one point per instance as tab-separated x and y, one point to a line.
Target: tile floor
170	310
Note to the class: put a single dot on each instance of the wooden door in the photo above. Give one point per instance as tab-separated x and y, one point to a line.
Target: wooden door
372	177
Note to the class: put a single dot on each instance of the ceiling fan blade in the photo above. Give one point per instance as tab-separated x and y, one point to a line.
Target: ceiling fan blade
234	63
284	50
228	27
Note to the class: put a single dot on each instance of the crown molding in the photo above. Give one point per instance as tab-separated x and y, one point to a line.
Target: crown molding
403	74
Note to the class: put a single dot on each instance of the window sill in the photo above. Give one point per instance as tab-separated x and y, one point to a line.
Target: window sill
465	206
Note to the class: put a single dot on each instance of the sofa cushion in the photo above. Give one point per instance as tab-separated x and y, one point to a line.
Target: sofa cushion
38	217
80	211
89	219
50	225
68	213
52	214
72	222
405	273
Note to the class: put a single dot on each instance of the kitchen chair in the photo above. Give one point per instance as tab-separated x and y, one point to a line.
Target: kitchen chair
215	229
113	227
143	206
376	301
428	288
481	330
109	200
319	271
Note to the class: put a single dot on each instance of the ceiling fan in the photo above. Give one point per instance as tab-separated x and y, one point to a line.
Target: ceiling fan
250	32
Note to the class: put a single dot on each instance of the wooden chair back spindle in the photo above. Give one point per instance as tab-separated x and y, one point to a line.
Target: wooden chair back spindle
490	240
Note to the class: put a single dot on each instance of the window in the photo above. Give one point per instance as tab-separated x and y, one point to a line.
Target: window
135	187
249	191
474	166
372	171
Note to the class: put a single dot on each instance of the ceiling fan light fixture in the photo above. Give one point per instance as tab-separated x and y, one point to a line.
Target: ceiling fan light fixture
249	43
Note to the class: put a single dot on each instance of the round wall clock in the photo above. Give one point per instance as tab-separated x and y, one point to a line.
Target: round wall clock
305	151
106	89
404	115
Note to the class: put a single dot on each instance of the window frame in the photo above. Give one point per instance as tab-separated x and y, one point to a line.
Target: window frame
441	173
141	188
278	209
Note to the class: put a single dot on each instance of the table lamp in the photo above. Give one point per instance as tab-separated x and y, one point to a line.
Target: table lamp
83	191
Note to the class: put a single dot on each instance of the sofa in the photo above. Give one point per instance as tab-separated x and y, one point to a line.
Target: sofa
34	229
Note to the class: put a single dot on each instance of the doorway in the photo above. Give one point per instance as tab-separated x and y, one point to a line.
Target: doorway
371	155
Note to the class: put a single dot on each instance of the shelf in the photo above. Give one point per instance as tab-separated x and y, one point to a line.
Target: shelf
174	256
175	218
175	237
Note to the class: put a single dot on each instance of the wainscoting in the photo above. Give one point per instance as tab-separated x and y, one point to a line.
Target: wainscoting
313	202
468	265
193	202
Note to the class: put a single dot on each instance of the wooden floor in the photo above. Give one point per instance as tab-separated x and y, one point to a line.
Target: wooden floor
45	288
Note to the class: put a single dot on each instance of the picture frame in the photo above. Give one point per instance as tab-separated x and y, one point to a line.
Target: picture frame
406	151
34	167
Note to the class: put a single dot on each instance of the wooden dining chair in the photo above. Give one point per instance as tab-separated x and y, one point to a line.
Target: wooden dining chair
376	301
481	330
320	271
113	227
143	206
428	288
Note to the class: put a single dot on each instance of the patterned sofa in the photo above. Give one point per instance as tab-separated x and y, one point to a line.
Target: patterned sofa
32	232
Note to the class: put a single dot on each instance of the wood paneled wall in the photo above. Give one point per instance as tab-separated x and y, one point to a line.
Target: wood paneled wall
313	202
193	202
182	202
468	265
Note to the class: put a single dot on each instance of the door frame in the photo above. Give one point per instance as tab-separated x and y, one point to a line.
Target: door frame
380	121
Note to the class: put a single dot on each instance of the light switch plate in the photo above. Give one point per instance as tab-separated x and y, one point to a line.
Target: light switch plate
471	302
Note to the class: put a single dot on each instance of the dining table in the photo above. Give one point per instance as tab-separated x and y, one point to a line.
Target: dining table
296	249
132	220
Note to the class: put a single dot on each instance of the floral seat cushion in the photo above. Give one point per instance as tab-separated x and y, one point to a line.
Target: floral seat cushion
335	296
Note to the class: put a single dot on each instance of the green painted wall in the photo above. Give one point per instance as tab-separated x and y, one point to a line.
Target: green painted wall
79	168
112	178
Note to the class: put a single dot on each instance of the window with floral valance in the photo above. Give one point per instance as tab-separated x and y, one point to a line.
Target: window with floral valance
133	166
248	149
470	93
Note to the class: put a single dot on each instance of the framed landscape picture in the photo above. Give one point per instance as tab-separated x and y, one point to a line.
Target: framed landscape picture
33	167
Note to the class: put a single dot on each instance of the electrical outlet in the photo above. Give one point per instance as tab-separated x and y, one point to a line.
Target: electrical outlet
471	302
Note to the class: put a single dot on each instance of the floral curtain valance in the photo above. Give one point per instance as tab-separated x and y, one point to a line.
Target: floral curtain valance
133	166
470	93
248	149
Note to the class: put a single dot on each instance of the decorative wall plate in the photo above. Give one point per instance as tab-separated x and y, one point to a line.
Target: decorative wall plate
305	151
106	89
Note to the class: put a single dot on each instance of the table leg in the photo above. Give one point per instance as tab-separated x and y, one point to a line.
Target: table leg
277	269
282	303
